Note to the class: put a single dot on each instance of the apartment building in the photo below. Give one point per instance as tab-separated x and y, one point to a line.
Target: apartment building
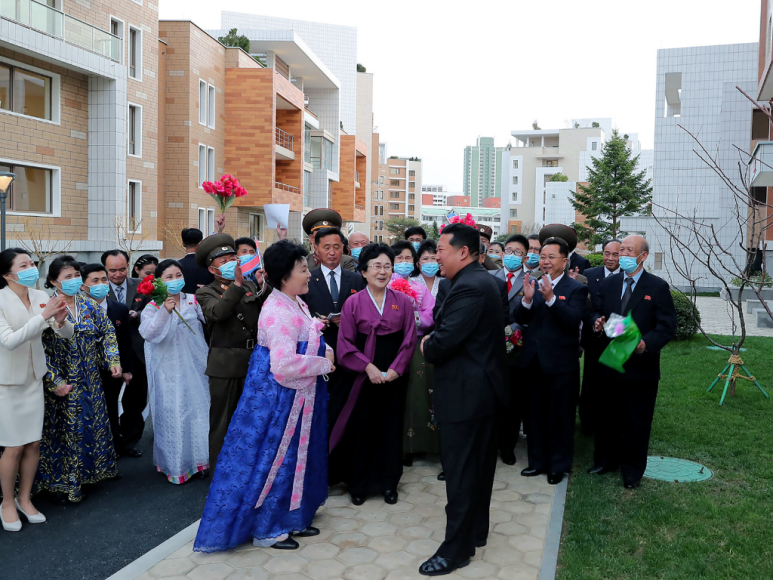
482	170
78	115
396	190
482	215
434	195
761	131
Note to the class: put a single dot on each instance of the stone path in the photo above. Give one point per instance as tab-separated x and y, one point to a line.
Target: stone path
377	541
716	318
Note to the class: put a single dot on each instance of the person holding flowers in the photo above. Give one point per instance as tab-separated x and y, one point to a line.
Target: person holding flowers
376	341
178	390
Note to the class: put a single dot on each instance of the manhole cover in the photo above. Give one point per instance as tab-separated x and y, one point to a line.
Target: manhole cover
676	470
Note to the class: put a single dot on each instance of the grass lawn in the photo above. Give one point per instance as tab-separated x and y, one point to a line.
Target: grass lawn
719	529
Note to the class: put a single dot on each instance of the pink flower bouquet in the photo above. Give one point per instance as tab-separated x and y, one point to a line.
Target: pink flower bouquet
225	191
457	219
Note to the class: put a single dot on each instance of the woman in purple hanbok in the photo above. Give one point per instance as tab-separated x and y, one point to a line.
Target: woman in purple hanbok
271	476
376	341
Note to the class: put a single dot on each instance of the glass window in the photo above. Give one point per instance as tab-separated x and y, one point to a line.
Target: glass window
210	164
135	131
202	165
5	87
211	106
514	213
394	171
202	219
256	226
210	222
25	92
411	173
593	146
394	183
515	180
412	184
202	102
134	212
307	189
135	53
515	164
31	190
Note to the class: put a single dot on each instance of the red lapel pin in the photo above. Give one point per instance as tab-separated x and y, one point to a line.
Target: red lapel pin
42	305
395	307
647	298
249	293
354	291
562	297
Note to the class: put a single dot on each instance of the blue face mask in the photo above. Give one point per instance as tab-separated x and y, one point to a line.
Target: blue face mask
532	260
512	262
416	245
28	277
356	253
244	258
99	291
430	269
72	286
403	269
174	287
629	264
493	256
228	270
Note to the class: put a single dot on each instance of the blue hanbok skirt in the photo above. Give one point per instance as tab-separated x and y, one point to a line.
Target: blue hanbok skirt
254	434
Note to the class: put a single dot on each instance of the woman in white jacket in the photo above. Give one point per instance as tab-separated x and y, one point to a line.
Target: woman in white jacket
24	314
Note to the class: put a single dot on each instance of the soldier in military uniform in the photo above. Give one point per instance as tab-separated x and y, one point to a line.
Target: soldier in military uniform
485	238
231	306
324	218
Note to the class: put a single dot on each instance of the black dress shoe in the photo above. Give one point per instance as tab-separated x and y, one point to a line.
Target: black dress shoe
132	452
390	497
58	498
631	483
555	478
508	458
530	472
441	476
439	566
358	500
308	532
288	544
601	470
480	543
407	460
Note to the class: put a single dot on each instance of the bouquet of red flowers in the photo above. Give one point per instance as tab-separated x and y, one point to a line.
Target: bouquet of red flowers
457	219
402	285
158	292
513	339
225	191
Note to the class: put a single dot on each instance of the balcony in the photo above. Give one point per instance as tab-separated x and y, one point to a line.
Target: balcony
55	23
285	187
285	145
761	165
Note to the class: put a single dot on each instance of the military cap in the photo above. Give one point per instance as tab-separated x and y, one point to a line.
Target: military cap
321	218
566	233
213	247
485	231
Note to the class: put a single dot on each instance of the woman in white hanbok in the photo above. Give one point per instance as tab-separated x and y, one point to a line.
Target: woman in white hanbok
178	389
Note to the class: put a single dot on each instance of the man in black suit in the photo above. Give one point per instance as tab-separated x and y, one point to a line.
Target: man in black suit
627	401
579	263
195	276
95	285
592	344
549	359
123	290
467	348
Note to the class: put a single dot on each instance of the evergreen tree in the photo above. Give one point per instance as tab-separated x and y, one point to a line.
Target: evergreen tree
398	224
233	38
435	233
615	190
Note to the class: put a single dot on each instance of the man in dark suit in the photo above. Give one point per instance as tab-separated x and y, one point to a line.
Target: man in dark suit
195	276
123	290
318	219
467	348
627	401
592	344
579	263
549	360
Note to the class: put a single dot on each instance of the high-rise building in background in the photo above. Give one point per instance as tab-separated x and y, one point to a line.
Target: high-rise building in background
433	195
396	191
482	166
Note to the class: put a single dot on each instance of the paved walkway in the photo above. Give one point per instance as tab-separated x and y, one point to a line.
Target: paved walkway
716	318
377	541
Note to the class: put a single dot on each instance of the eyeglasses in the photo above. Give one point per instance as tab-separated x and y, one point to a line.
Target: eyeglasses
514	253
380	267
551	258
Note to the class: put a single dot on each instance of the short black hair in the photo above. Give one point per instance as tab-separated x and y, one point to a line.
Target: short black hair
520	239
91	268
563	247
143	261
109	253
56	267
607	242
482	248
415	231
324	232
165	265
532	237
191	237
7	257
401	245
373	251
280	259
427	246
245	241
463	235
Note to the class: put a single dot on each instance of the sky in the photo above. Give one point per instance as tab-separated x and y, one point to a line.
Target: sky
446	73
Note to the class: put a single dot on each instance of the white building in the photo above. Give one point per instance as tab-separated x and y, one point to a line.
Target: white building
439	194
487	216
696	88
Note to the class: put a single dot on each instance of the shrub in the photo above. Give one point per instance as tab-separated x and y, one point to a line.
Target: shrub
595	260
687	316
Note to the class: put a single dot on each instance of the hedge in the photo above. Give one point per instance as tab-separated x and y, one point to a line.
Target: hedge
687	316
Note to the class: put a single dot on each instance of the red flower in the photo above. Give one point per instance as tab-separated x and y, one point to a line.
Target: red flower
146	286
402	285
208	186
467	220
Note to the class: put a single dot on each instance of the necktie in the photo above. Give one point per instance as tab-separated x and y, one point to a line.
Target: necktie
119	293
509	281
626	294
334	289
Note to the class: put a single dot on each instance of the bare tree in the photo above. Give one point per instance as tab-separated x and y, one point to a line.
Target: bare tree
132	238
38	239
172	231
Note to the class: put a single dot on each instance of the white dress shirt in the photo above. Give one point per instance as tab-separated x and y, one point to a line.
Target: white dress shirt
609	272
124	287
103	304
337	273
552	300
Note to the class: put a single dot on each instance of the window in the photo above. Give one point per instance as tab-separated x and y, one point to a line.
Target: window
394	206
116	27
202	102
25	92
412	184
211	107
32	190
658	260
135	130
256	226
381	180
515	180
210	164
411	173
410	208
202	165
135	53
394	194
515	164
202	220
411	196
394	183
513	213
306	189
394	171
210	223
594	146
134	209
515	196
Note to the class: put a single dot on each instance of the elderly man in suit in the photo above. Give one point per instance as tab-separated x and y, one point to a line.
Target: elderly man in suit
592	344
516	251
549	359
627	400
323	218
467	348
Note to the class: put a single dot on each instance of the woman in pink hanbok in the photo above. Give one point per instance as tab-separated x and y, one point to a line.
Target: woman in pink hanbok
271	475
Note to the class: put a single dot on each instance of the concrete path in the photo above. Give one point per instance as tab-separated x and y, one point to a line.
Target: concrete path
377	541
716	318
